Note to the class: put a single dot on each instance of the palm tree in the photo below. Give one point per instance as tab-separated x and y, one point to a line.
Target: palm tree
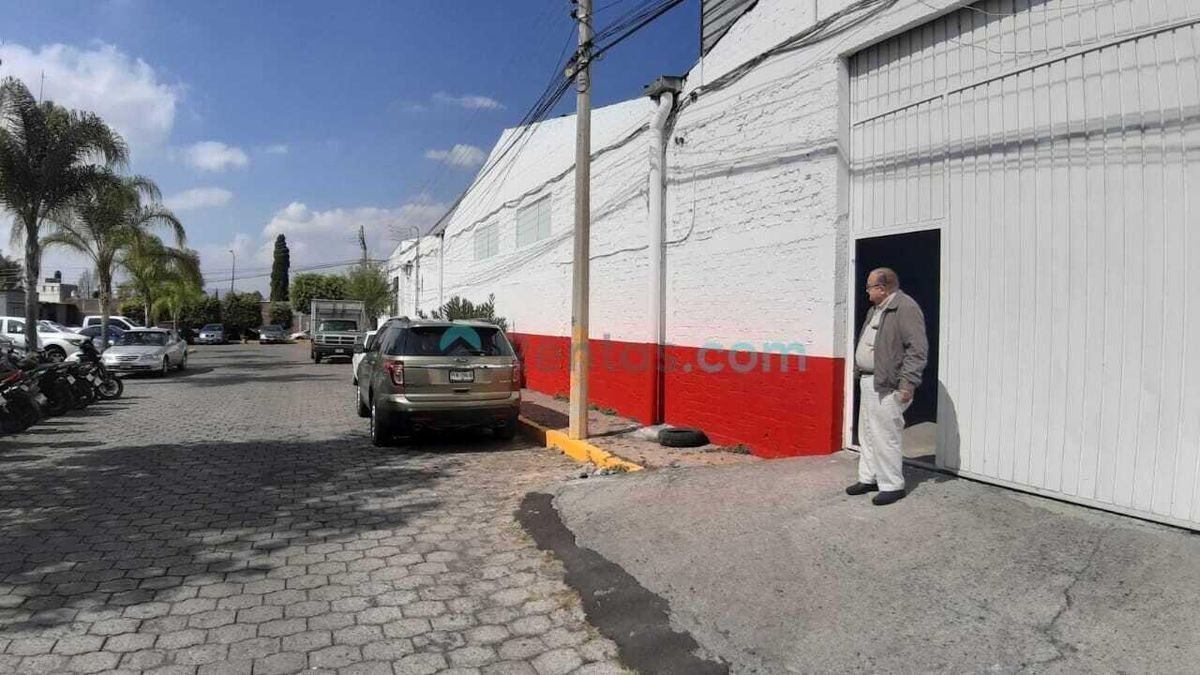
106	221
151	264
48	156
176	295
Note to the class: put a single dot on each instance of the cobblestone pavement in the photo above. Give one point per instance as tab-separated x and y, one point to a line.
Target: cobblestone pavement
234	519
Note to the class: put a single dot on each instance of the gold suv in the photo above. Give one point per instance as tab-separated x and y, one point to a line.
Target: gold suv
422	374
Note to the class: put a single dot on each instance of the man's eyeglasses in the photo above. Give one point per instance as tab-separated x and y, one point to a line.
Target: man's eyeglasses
869	287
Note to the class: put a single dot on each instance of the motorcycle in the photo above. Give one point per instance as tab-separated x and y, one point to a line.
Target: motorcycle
20	402
53	380
107	385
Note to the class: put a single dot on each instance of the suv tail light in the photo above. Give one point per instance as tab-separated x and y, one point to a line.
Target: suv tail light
516	376
395	370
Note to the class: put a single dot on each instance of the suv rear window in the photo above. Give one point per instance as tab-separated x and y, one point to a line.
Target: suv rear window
449	341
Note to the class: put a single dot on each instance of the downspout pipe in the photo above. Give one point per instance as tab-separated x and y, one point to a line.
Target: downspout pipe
663	92
441	269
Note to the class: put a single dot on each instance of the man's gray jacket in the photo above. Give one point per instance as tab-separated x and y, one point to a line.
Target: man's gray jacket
901	348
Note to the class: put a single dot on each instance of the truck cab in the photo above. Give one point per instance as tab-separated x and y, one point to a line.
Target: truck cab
337	327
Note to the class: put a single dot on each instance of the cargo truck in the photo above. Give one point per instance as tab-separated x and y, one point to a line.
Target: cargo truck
337	326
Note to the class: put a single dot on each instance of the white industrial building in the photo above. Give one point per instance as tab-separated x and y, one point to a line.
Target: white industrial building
1031	168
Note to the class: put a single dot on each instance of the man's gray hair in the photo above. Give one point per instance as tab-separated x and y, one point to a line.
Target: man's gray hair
888	277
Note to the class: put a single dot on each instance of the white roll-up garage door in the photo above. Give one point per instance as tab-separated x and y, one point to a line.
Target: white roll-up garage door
1057	146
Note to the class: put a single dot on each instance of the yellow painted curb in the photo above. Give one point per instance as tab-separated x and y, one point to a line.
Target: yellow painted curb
580	451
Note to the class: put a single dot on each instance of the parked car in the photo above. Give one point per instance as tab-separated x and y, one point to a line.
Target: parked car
124	323
358	355
57	345
156	350
437	374
212	334
57	326
269	334
93	332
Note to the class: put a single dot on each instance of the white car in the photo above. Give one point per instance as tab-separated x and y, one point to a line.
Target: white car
57	344
121	322
357	358
147	350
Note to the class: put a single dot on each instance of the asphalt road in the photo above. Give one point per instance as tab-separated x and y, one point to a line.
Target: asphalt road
234	519
771	568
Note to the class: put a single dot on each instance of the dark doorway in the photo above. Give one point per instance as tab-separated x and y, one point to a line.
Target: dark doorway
916	257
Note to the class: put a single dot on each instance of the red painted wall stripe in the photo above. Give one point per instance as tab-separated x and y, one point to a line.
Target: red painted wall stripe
777	405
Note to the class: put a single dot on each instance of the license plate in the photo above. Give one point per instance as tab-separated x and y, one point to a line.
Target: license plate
339	351
462	376
41	399
71	379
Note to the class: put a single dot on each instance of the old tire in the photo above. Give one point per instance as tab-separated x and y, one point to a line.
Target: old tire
506	431
682	438
166	367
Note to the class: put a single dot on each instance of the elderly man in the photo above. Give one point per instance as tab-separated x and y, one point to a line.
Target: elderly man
888	363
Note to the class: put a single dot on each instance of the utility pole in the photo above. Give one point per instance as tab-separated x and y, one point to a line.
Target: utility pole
232	270
578	421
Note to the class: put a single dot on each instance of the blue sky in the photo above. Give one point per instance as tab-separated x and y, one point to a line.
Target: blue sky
310	117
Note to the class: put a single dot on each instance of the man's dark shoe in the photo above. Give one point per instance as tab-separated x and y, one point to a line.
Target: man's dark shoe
888	497
861	488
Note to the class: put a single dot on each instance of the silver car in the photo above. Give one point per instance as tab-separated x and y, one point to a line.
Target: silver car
147	350
271	334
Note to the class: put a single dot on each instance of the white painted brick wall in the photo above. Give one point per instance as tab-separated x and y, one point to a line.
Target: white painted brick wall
756	229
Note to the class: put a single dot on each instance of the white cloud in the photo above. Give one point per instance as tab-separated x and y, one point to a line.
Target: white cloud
125	91
468	101
216	263
467	156
277	149
213	156
198	198
316	237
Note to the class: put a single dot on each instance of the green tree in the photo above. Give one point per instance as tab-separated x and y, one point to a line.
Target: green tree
151	264
10	272
205	311
107	222
367	281
280	265
175	295
309	286
460	308
280	314
241	311
48	157
133	308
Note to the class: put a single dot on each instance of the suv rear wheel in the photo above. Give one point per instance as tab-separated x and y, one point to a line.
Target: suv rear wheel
381	430
363	409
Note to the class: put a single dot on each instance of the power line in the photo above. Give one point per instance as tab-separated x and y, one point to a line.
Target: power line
560	83
307	268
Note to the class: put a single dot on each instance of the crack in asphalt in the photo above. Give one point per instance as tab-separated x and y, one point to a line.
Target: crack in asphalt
637	620
1049	629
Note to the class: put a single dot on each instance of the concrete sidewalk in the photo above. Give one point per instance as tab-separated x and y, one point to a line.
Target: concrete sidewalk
625	438
773	569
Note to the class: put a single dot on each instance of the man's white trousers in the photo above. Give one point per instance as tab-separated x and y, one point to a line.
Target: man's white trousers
880	426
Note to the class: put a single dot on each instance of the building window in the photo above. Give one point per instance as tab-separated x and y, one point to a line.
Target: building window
533	222
487	241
